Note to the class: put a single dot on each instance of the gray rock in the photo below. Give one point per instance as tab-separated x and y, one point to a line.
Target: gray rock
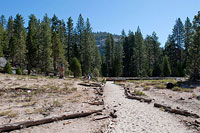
198	97
3	62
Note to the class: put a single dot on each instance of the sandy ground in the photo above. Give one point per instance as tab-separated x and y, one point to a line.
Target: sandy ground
50	97
55	97
137	117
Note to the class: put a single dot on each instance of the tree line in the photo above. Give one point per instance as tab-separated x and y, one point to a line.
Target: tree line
46	43
135	56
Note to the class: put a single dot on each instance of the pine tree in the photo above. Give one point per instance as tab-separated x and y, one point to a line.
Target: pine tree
87	49
156	55
7	68
3	21
109	51
118	61
128	45
31	43
194	51
76	67
171	52
1	40
19	71
149	53
18	47
10	31
58	53
70	36
138	59
178	37
79	38
3	35
166	71
45	47
187	40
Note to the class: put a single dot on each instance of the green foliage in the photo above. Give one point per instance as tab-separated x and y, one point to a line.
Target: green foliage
58	53
96	72
139	93
193	64
32	43
18	47
166	71
7	68
19	71
76	67
45	49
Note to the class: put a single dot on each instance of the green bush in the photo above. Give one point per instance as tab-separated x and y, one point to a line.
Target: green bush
96	73
7	68
76	67
19	71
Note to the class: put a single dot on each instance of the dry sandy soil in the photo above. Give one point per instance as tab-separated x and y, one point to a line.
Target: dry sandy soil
53	97
48	97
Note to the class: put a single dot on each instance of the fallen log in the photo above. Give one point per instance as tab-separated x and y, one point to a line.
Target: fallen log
90	84
100	118
130	96
99	91
97	103
25	124
176	111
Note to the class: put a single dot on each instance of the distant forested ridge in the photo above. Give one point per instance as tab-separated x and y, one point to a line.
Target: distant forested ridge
46	43
100	38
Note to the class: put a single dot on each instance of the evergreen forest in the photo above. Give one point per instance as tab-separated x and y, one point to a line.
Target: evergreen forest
44	44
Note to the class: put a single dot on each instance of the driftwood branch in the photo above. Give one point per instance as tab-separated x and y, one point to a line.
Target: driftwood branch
25	124
176	111
130	96
101	118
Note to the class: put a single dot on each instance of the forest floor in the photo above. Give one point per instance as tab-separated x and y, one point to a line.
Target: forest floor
48	97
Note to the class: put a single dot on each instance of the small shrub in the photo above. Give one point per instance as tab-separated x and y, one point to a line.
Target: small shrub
74	101
12	115
194	95
96	73
146	88
160	87
5	113
187	90
56	104
7	68
76	67
177	89
19	71
139	93
73	89
39	110
104	81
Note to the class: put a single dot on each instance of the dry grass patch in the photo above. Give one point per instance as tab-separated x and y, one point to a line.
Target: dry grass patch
182	89
139	93
146	88
5	113
13	115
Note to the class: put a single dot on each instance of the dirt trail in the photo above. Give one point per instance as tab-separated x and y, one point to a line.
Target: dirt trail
134	116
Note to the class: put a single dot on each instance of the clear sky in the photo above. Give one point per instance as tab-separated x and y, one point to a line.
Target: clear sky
110	15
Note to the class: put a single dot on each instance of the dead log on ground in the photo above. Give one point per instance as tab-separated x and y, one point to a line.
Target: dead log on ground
25	124
99	91
97	103
176	111
100	118
141	99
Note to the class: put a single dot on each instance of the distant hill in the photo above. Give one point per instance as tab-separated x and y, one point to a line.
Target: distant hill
101	37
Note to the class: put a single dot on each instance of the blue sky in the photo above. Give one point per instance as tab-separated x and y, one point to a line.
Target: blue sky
111	15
